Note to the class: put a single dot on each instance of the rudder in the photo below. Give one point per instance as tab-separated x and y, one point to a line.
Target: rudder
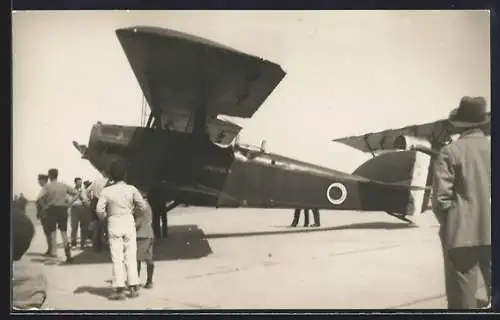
408	167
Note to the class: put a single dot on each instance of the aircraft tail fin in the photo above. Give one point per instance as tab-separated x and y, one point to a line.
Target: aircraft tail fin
407	168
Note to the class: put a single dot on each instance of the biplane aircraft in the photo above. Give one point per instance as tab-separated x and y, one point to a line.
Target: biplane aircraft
193	157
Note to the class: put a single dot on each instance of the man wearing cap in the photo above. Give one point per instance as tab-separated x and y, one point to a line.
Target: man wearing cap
53	198
461	200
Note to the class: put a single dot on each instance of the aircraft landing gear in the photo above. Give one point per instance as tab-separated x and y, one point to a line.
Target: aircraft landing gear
172	205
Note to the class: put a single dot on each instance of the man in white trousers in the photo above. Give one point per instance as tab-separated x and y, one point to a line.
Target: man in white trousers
118	202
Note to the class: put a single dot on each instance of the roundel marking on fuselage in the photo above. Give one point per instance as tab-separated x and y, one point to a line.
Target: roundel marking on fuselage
343	191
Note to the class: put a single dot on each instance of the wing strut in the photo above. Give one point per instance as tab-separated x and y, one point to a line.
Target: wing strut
150	120
154	120
365	137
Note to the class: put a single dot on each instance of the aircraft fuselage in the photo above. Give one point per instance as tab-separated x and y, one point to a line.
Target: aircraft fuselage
191	169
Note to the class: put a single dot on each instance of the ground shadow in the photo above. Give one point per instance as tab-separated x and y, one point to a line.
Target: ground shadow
190	242
40	258
183	242
97	291
290	230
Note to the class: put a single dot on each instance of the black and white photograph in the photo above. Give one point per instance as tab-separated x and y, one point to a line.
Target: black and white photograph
259	160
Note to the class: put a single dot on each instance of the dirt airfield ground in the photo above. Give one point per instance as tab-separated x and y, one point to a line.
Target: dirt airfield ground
252	259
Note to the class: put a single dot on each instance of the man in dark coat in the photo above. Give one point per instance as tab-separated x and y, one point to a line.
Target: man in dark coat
461	200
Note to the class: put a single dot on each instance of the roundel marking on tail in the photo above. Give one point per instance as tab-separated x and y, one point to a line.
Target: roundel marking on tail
343	193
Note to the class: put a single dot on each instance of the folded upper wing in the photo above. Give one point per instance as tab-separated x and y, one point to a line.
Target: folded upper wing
433	132
178	73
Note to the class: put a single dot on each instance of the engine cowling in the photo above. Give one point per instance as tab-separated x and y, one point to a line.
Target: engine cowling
408	143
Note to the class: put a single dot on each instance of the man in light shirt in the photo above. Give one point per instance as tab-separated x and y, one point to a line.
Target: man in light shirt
53	198
80	214
118	202
99	229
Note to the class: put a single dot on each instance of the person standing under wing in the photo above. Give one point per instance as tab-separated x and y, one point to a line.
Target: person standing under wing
157	199
317	222
296	217
117	202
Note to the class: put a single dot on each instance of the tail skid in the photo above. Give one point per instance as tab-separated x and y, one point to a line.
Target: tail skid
402	218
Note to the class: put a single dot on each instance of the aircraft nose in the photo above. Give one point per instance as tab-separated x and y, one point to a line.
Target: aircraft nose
94	132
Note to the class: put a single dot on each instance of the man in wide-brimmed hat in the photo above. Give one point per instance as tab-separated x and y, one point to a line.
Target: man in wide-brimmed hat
461	201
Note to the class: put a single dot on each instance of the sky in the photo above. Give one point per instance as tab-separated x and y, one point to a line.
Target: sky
348	72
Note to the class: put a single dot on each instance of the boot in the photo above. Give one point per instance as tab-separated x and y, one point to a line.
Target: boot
149	282
49	245
134	292
67	251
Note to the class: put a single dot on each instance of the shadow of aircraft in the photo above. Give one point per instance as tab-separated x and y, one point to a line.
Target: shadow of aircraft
288	230
190	242
183	242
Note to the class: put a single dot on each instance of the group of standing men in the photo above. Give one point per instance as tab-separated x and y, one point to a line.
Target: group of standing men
53	203
112	206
